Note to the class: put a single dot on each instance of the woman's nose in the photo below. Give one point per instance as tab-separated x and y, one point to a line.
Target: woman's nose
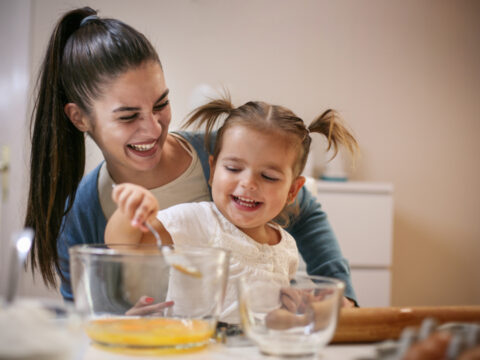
152	122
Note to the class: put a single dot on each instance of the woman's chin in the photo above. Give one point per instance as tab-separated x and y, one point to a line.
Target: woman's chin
144	164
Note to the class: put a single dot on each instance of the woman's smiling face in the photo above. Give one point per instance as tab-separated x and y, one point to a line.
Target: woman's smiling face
130	121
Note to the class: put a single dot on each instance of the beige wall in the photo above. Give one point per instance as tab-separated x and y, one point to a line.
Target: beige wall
404	74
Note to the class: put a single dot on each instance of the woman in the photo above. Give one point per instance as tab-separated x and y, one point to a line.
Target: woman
102	78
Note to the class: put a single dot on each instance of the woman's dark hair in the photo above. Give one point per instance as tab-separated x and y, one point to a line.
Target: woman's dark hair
84	54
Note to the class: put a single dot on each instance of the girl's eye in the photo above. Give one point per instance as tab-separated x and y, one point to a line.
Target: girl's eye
232	169
269	178
128	118
161	106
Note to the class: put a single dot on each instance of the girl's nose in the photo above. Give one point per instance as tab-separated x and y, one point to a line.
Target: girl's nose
249	182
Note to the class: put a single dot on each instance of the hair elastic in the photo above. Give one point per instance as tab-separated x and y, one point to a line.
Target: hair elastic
88	19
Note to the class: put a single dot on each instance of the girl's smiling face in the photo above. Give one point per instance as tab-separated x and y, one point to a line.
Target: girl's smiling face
252	178
130	120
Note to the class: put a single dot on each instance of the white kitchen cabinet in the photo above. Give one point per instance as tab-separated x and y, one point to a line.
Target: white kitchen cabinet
361	215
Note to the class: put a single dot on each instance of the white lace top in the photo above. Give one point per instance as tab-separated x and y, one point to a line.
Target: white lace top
203	224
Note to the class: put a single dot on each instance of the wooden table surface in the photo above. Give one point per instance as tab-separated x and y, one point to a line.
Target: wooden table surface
359	325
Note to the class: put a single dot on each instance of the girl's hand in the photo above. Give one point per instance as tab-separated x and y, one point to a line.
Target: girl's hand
136	203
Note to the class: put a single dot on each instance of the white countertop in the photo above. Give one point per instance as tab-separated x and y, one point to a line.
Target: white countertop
221	352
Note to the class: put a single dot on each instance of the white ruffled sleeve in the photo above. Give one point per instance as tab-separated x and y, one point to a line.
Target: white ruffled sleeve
189	223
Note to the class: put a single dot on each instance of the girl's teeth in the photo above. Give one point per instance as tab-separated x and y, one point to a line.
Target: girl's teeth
246	202
144	147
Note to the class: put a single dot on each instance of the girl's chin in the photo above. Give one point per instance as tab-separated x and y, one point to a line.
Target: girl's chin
243	223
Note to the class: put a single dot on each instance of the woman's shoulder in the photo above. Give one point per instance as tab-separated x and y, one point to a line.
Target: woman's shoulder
87	188
197	139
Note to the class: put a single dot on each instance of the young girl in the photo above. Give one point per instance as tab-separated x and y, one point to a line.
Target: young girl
259	154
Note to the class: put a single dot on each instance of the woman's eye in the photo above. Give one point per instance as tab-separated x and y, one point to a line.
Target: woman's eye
128	118
161	106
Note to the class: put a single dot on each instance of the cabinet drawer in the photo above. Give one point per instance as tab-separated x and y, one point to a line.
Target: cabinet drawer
362	220
372	287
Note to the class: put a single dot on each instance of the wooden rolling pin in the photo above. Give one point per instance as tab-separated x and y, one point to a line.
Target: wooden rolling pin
377	324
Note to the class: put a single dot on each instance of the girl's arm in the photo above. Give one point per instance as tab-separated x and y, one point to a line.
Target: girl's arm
136	205
119	230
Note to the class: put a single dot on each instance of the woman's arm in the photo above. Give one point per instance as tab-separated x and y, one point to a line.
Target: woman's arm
84	224
317	243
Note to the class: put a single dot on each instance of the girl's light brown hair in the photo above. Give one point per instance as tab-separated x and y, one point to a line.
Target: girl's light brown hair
272	118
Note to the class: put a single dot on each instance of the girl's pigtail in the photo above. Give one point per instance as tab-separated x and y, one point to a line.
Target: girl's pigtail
208	115
58	152
337	134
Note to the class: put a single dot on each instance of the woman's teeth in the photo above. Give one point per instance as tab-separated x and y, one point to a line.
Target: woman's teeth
245	202
143	147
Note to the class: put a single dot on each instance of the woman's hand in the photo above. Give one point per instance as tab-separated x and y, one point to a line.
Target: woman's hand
298	305
145	306
136	203
301	307
292	299
347	303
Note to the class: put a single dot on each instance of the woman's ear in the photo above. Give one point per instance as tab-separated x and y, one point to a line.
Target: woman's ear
295	188
77	117
212	169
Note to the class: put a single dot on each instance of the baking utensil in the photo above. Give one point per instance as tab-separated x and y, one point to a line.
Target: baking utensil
175	260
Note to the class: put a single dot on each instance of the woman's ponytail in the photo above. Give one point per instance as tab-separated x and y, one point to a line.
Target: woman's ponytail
58	152
84	53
